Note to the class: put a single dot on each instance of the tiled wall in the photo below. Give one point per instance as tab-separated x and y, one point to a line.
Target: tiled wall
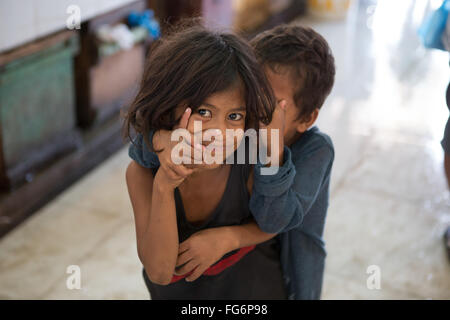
24	20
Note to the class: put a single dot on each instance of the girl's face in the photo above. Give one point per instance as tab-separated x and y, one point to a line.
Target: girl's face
221	111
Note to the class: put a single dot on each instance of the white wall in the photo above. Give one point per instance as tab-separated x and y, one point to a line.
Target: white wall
25	20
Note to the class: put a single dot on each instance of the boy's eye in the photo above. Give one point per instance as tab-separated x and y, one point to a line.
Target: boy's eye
204	113
235	116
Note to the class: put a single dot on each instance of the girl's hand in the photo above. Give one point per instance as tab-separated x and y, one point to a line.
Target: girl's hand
167	178
163	144
200	251
171	175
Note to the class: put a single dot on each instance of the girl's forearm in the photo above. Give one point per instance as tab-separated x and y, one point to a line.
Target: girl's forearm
160	239
155	220
245	235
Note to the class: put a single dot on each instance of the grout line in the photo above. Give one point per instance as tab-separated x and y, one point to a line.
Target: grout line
83	257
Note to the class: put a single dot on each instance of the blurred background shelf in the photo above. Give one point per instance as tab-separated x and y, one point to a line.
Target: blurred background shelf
37	117
60	102
106	83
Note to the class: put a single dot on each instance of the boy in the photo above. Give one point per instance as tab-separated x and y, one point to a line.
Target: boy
291	204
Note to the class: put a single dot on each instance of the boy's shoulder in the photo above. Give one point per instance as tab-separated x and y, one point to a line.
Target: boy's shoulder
313	141
139	152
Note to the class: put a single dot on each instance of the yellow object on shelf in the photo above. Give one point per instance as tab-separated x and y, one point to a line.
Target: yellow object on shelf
329	9
250	14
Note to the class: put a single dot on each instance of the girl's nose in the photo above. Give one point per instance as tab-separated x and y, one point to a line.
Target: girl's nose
215	125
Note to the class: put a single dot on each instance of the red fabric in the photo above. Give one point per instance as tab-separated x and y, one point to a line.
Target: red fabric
221	265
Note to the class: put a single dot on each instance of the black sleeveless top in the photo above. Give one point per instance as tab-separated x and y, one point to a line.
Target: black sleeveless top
257	275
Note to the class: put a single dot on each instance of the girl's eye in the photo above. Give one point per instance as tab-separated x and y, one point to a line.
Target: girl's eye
204	113
235	116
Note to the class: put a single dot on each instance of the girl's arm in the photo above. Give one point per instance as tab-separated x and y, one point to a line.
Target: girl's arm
153	204
155	219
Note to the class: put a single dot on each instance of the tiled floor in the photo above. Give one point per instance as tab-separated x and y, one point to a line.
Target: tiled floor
389	201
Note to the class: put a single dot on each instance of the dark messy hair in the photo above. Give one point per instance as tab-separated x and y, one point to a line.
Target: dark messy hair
308	58
186	67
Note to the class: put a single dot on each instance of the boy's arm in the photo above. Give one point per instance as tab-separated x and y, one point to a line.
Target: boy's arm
249	234
244	235
280	202
139	152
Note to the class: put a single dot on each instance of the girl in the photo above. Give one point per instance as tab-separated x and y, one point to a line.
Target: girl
199	75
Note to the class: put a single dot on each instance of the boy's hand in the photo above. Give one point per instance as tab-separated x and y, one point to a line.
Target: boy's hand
278	122
200	251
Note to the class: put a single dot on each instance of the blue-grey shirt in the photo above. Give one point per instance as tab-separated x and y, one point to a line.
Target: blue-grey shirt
292	203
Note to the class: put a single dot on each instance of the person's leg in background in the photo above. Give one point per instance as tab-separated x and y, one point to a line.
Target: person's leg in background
447	173
447	167
446	146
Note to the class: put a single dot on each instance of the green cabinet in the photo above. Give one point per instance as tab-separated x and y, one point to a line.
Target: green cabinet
37	106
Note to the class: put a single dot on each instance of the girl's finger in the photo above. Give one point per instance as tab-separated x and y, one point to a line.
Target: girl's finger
187	158
196	273
181	170
177	169
177	272
184	119
282	104
184	161
188	267
183	258
190	140
196	151
182	247
172	173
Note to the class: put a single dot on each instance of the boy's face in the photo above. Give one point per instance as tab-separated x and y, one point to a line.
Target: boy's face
283	87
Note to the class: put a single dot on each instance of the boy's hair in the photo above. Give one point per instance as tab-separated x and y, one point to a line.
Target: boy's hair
307	57
186	67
